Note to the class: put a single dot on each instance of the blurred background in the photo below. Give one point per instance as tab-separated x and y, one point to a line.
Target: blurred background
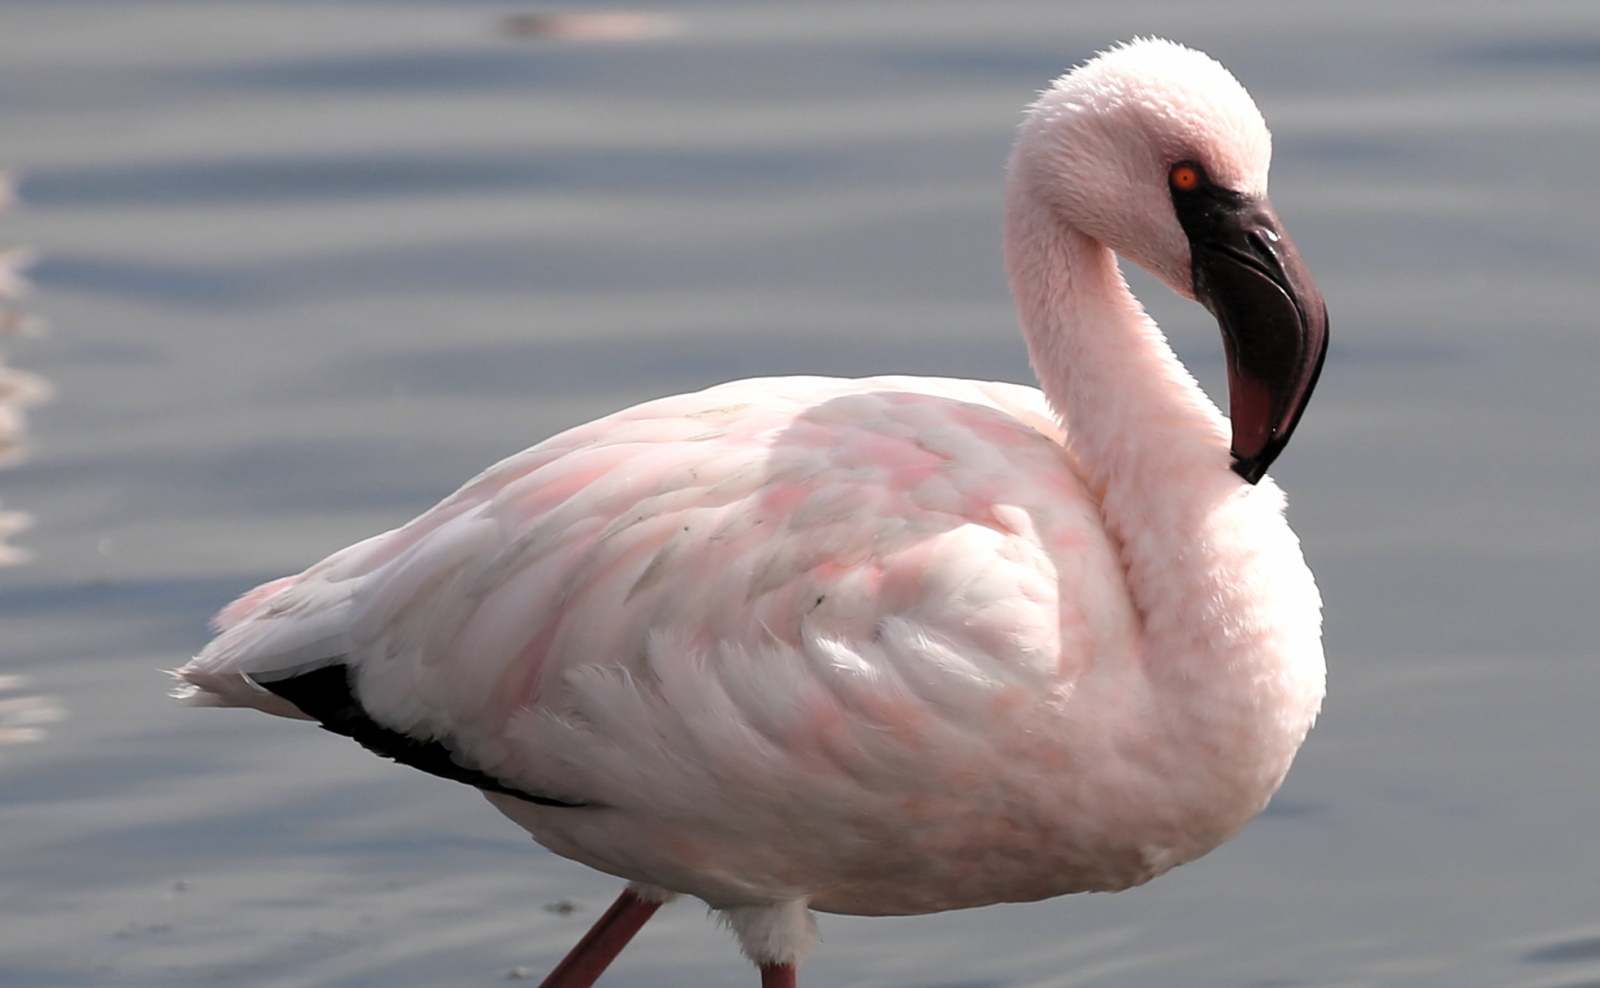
309	265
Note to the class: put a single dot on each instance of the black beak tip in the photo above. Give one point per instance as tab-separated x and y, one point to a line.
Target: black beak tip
1252	468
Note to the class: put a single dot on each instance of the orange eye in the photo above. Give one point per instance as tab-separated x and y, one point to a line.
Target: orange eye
1185	177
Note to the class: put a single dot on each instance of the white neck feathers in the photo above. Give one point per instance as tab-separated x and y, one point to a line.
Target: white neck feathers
1211	564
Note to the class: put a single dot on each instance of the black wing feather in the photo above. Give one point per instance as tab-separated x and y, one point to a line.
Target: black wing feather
327	695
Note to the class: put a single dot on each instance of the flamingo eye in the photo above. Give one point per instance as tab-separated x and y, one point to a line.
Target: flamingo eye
1185	176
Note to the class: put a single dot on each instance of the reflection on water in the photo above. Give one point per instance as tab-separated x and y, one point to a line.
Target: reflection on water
18	390
312	265
23	714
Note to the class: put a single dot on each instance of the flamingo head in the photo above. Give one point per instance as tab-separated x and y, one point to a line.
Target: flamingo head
1157	152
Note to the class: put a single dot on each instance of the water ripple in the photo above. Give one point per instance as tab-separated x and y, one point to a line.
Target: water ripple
24	714
1567	951
353	176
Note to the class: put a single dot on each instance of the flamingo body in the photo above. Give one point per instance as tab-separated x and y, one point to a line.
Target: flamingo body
883	646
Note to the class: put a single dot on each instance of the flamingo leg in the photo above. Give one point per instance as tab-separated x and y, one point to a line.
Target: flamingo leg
584	964
777	976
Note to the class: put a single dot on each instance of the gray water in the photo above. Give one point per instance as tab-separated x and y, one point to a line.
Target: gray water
310	265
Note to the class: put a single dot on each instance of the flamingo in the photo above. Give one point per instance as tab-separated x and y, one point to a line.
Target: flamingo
883	646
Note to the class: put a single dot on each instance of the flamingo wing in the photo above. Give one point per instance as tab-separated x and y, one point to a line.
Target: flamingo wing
797	517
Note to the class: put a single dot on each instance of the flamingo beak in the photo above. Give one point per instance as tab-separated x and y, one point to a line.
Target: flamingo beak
1248	274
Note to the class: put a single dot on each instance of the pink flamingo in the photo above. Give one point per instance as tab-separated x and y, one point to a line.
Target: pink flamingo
885	646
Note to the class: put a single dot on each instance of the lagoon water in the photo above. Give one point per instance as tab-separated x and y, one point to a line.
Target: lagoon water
310	265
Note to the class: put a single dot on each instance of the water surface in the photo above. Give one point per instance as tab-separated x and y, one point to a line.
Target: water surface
310	265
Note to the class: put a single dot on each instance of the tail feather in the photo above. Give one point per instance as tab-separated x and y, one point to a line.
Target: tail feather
200	688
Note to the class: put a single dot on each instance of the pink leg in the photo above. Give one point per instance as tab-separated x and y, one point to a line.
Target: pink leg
584	964
777	976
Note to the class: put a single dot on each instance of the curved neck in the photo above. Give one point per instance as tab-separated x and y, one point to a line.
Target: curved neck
1151	446
1228	612
1211	565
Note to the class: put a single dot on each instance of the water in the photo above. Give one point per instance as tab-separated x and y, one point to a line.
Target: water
309	265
